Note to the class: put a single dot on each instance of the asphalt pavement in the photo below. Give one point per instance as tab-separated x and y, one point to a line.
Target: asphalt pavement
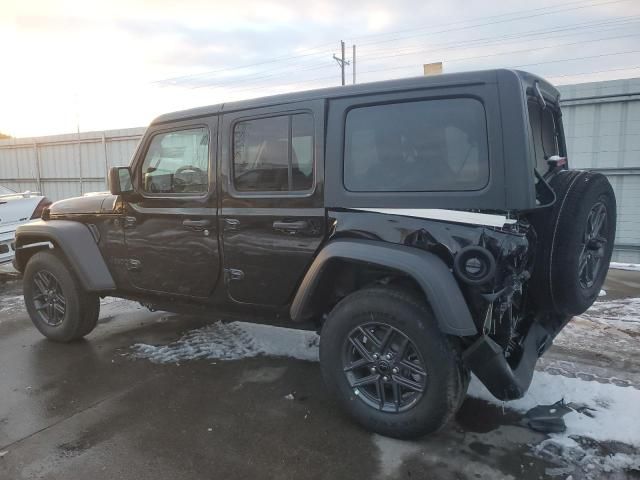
91	410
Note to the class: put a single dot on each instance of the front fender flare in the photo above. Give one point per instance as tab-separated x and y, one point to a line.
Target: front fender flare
78	245
428	270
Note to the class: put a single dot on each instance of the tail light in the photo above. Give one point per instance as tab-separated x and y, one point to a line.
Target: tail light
44	203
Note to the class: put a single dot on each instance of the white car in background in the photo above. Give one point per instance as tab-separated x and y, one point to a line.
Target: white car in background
16	209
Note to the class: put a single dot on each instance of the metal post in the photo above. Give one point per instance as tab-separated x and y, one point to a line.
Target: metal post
38	178
353	64
342	62
80	162
106	160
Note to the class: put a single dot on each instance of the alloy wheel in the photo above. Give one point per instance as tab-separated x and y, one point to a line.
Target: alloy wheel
383	367
593	246
48	298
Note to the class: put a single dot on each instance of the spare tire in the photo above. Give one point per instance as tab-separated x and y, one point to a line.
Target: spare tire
575	242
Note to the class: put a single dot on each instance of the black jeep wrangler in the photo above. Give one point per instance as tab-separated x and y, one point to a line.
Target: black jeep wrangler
430	227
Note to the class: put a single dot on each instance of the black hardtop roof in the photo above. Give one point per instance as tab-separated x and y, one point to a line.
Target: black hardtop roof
447	79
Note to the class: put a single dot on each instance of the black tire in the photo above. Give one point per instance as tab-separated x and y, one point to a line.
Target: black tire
558	278
410	318
80	309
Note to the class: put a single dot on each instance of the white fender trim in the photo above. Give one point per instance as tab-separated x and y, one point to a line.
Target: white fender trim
457	216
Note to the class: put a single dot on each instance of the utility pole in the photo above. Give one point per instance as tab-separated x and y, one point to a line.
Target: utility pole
353	64
341	60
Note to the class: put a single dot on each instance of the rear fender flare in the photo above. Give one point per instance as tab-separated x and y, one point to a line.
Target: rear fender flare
428	270
77	244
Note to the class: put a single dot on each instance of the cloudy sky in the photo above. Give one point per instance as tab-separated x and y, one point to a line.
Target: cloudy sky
119	63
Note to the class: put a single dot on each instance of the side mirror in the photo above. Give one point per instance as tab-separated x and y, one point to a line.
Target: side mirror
120	181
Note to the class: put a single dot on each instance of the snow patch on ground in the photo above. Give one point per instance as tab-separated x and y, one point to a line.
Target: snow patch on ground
621	310
615	409
111	306
634	267
233	341
12	303
614	419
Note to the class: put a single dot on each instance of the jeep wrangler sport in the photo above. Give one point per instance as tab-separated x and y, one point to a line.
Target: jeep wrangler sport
429	227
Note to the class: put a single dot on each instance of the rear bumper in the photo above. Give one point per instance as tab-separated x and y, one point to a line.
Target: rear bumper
486	359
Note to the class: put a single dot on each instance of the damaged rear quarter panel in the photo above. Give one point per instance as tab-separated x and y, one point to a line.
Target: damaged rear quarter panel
509	247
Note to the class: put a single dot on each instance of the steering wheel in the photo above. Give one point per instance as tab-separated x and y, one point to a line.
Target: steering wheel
192	173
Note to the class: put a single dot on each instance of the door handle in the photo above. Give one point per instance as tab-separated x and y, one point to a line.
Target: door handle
196	224
291	226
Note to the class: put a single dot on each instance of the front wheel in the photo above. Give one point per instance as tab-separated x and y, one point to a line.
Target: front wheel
58	306
384	357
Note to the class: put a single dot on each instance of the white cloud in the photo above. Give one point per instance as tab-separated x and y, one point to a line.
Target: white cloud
99	60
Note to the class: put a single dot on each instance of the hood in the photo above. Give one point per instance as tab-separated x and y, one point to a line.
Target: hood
17	208
92	204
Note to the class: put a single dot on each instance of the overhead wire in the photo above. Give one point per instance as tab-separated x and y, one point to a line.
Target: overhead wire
231	84
524	17
177	80
584	28
315	66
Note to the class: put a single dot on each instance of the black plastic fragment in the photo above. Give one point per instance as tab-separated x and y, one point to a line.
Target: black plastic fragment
548	418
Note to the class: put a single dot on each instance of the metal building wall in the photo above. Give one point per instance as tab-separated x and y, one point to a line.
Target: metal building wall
62	166
602	127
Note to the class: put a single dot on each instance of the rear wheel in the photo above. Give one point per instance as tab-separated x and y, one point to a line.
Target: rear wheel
383	356
58	306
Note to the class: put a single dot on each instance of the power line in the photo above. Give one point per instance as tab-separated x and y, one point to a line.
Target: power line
332	77
593	72
576	58
413	65
546	8
289	69
239	67
485	41
582	42
525	17
178	79
222	84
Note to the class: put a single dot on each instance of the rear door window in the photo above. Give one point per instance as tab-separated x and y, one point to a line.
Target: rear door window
273	154
421	146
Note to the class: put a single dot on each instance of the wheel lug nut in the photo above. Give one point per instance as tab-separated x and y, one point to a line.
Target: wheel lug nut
373	369
376	356
394	370
388	357
385	378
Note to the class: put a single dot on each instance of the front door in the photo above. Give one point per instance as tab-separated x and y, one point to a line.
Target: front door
272	218
171	232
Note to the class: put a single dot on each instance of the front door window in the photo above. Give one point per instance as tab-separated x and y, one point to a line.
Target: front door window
177	162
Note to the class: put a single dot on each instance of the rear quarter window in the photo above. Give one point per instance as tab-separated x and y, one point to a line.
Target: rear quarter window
544	131
421	146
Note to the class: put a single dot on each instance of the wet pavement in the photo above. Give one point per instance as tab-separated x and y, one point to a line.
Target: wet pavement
92	410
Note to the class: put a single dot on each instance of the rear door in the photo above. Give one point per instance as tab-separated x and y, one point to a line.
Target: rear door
171	232
272	217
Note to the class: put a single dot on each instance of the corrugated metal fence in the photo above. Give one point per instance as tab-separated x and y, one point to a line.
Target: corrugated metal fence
62	166
602	127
